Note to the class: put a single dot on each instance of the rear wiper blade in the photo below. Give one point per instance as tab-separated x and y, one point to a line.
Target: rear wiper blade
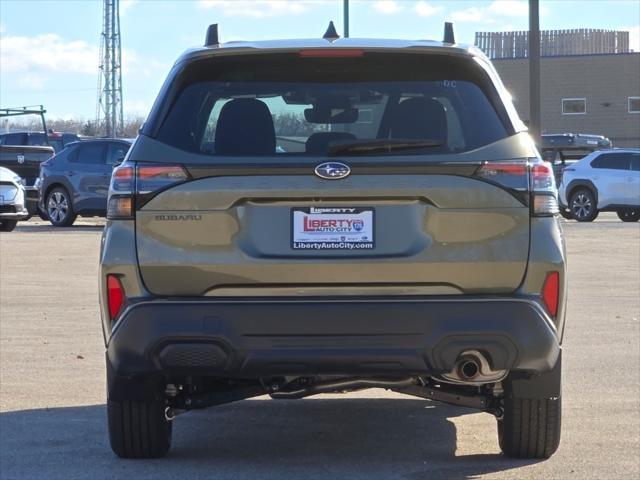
385	145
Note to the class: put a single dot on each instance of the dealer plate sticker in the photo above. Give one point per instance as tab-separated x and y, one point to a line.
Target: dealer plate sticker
328	228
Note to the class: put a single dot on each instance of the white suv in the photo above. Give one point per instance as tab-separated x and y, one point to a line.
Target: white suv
605	180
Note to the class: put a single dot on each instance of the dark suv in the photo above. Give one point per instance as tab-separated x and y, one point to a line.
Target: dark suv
304	217
76	180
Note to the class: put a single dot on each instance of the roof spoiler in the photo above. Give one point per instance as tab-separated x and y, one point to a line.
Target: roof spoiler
211	40
449	36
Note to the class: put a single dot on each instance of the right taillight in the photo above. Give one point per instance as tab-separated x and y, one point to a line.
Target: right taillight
520	177
510	174
544	196
130	180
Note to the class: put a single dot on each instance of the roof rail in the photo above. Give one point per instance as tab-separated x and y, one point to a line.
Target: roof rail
211	40
449	36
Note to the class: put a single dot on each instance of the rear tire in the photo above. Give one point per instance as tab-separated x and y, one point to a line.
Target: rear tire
138	429
59	208
7	225
583	205
530	427
629	214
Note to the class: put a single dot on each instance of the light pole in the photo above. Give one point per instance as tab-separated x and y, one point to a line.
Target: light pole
534	71
346	18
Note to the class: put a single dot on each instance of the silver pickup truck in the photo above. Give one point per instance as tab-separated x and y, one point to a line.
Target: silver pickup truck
25	161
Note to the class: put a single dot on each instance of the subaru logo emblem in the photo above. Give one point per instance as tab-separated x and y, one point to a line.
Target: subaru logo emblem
332	170
20	158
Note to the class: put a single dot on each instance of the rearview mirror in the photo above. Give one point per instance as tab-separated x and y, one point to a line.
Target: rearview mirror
320	114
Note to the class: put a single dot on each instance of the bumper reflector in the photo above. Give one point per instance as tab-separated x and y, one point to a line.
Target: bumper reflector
550	292
115	296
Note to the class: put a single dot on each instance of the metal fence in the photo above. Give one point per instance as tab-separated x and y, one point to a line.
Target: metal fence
583	41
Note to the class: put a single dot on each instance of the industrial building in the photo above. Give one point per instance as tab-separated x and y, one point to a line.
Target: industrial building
590	80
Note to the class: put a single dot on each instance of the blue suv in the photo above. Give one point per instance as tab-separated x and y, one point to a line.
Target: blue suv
76	180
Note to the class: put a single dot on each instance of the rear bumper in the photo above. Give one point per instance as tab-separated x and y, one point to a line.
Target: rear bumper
391	336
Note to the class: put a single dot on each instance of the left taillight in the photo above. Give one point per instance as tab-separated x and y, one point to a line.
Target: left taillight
129	180
115	296
121	192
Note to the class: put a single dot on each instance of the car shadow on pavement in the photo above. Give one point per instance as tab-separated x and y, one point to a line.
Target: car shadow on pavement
314	438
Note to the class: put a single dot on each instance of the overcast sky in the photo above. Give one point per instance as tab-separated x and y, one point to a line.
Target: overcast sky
49	48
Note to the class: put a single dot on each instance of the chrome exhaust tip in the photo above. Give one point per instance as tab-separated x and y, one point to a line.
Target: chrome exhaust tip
473	368
468	368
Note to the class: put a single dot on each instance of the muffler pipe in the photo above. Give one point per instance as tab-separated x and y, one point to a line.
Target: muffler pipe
473	368
468	368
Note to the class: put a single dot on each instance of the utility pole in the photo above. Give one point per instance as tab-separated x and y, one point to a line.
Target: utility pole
534	71
346	18
109	112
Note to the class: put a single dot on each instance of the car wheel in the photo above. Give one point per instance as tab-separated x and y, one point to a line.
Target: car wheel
583	205
59	208
629	214
530	427
138	429
7	225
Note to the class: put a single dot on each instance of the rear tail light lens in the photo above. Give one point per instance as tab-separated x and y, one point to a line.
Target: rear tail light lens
545	204
535	176
544	196
512	175
551	292
115	296
129	180
121	189
120	208
155	177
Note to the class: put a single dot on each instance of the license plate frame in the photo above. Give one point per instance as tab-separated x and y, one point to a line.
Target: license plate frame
332	228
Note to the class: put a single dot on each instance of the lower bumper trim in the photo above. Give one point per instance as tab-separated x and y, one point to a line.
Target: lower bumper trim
253	338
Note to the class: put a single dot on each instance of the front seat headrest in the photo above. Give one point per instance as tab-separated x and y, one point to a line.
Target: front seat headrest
245	127
420	118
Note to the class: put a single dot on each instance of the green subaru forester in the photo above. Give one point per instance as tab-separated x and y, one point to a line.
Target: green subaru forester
326	215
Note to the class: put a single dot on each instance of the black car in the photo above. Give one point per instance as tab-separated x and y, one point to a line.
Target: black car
55	139
76	180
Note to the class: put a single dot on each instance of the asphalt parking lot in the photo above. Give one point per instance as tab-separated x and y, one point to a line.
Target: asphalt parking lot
52	389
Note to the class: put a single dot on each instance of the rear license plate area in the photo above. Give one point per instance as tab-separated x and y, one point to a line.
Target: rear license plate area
332	228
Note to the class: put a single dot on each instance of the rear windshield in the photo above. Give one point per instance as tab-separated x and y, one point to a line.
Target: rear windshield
279	105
